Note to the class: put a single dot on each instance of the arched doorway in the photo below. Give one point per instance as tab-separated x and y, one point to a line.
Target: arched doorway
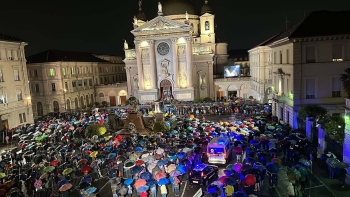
92	99
68	104
87	100
81	101
56	107
122	97
76	105
39	109
112	98
166	90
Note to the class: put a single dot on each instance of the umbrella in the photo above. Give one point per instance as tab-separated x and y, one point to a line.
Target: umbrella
133	157
139	162
138	149
67	171
48	169
60	183
228	172
65	187
239	194
54	162
2	175
87	179
293	174
175	173
128	181
146	175
139	183
331	162
136	169
112	155
181	155
143	188
160	175
90	190
246	167
163	181
170	168
250	179
304	162
217	183
230	167
151	166
129	164
341	165
272	168
86	169
84	185
303	171
259	166
237	167
158	156
160	151
276	160
181	168
82	161
162	162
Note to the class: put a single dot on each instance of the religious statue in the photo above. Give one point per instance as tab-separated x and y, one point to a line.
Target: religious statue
126	46
181	50
186	16
140	3
164	64
136	83
203	82
160	8
135	21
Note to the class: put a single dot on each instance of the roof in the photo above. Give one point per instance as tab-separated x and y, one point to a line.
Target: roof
177	7
65	56
4	37
267	41
317	23
141	15
206	8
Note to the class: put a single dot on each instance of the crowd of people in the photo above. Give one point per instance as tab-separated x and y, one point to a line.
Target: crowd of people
54	157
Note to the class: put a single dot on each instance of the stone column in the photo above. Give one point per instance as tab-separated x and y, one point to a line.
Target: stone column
210	82
189	62
139	64
176	62
152	59
129	80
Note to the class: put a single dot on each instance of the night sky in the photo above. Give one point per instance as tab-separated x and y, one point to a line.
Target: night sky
101	26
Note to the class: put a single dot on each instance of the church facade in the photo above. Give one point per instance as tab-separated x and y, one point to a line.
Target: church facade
174	54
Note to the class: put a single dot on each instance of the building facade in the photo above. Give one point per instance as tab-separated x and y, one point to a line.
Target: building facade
175	54
307	62
15	99
63	81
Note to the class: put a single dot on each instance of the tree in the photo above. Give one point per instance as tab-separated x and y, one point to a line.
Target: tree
197	100
345	78
95	129
160	127
207	99
334	125
104	103
315	111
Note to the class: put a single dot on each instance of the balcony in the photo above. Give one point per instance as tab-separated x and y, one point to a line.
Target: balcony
279	97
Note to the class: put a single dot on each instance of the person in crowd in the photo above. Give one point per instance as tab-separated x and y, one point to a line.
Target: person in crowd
163	190
290	190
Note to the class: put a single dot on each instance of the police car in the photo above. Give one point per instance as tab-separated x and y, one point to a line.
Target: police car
203	173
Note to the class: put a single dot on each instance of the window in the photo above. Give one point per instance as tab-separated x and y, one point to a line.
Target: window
85	82
245	96
101	95
287	83
52	72
207	25
16	74
274	58
100	69
336	87
37	88
3	97
35	73
66	85
78	70
20	118
310	88
80	83
72	70
337	52
53	87
101	80
281	57
64	71
24	117
106	69
310	54
74	84
287	56
9	55
19	94
113	79
90	82
1	76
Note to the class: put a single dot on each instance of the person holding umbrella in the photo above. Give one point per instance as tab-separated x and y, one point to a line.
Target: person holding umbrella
163	190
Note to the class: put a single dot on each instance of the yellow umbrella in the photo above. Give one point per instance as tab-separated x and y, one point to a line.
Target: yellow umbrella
39	144
108	137
93	154
67	171
170	168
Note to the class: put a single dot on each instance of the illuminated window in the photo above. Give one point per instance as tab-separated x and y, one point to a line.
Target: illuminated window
19	94
207	26
64	71
16	74
52	72
337	52
72	70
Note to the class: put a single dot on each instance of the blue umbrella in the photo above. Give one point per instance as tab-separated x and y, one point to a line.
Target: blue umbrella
239	194
272	167
138	149
136	170
60	183
181	155
151	182
115	151
128	181
146	176
90	190
63	150
162	162
259	166
253	142
181	168
304	162
112	155
112	173
142	188
107	148
163	181
87	179
172	158
212	189
228	172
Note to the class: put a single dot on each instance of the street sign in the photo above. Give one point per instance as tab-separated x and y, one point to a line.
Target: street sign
199	193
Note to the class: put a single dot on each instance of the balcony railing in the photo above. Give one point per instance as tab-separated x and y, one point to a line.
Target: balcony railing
279	97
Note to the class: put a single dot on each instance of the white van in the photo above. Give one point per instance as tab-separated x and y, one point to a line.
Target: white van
218	150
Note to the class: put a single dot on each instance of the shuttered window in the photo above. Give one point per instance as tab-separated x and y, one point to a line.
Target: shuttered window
310	88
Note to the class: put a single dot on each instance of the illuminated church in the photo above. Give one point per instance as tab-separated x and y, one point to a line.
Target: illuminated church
175	53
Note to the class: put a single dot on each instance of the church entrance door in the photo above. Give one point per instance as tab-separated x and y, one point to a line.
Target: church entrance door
166	90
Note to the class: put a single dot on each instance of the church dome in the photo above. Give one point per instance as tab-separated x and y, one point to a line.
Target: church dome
206	8
141	16
177	7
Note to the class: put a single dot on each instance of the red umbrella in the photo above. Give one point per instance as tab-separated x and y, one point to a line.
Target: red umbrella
160	175
139	183
241	126
222	179
250	179
238	149
86	169
102	145
54	163
82	161
139	162
101	122
209	128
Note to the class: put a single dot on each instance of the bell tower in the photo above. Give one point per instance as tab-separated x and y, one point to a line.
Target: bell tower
207	26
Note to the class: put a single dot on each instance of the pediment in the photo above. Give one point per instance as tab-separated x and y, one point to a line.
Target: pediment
161	24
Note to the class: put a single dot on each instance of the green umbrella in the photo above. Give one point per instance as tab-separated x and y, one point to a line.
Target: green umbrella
189	128
47	169
187	119
39	138
303	171
270	127
44	136
2	175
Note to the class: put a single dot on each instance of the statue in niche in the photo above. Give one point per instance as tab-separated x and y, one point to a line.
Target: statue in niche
136	83
164	65
126	46
135	21
183	79
144	53
203	80
160	7
187	16
181	50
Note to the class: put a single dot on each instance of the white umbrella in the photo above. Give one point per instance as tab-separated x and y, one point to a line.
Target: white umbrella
160	151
